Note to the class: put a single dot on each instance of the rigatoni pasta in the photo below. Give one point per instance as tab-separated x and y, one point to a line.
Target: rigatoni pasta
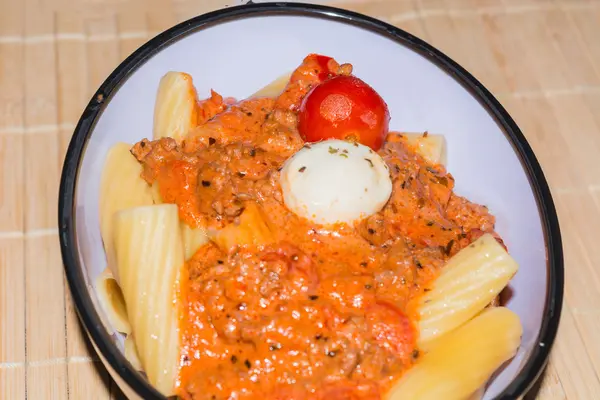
131	353
274	88
149	257
468	282
463	360
193	239
175	110
111	298
121	188
431	146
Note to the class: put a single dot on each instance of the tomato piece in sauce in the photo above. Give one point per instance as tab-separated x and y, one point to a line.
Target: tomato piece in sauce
391	328
348	390
344	107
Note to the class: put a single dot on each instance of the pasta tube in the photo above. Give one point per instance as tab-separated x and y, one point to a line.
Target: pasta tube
175	110
431	146
274	88
111	300
149	255
253	229
463	360
471	279
193	239
131	353
121	188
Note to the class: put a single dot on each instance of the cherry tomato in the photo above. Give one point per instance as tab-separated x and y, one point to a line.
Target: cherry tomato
344	107
391	328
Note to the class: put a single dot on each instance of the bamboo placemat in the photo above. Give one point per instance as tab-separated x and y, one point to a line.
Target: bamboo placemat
540	57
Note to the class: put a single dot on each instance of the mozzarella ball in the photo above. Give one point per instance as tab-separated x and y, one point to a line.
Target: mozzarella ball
335	181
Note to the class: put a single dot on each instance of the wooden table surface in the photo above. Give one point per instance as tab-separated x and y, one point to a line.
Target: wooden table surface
541	58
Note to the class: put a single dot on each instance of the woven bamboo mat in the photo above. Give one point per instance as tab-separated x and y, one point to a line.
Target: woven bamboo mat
540	57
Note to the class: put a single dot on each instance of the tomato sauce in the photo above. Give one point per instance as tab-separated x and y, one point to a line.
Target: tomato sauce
305	311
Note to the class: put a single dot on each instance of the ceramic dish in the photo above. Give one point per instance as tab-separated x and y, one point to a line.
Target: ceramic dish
240	49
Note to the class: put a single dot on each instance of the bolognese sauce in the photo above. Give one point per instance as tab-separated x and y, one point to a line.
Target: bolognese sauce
279	307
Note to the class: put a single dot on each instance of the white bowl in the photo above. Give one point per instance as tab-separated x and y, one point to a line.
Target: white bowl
240	49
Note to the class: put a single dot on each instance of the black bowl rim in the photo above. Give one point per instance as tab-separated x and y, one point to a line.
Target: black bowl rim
66	213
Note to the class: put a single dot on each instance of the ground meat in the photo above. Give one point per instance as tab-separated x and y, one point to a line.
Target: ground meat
153	155
241	122
469	215
280	134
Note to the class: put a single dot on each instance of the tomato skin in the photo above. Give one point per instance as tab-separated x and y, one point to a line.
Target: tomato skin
344	107
391	328
323	62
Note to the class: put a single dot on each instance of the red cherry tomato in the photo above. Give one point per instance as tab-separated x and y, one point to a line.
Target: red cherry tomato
391	328
344	107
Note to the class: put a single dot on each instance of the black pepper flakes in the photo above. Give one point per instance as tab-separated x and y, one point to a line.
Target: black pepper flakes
252	152
318	337
247	364
415	354
313	297
331	353
448	247
220	261
363	264
371	231
418	264
403	185
234	359
206	183
275	347
368	287
430	223
249	113
302	169
241	174
211	141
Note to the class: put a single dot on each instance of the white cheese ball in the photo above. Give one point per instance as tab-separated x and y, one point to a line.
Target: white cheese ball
335	181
